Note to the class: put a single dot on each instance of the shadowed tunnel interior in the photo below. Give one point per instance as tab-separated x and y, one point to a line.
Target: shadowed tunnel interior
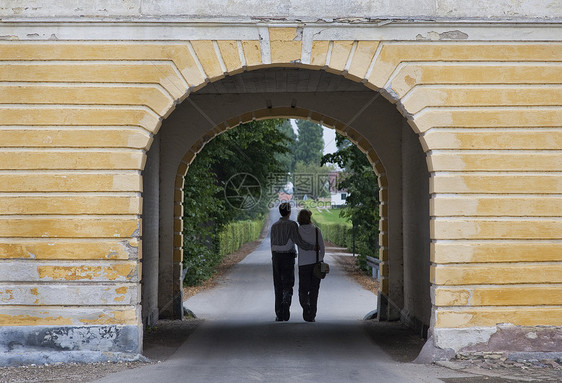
247	340
405	209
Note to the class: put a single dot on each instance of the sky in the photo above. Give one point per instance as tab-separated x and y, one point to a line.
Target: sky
329	138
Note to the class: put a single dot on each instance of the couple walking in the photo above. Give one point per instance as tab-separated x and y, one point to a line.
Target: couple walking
284	235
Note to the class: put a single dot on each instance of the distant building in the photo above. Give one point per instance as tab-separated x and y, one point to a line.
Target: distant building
338	196
284	196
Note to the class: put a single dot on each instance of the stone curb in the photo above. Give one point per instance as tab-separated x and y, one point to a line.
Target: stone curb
12	359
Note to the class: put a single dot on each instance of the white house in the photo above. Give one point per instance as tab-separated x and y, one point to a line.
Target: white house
337	195
338	198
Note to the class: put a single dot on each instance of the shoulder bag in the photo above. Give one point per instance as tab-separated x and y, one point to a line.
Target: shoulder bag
321	268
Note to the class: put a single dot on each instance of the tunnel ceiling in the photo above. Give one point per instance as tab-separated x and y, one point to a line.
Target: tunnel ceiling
282	80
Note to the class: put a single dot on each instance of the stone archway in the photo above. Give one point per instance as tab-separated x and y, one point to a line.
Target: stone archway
373	124
77	117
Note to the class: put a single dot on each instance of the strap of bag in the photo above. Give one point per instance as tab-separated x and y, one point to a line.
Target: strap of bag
317	247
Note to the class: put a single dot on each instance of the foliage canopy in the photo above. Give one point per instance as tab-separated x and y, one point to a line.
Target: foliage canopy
309	146
362	203
234	167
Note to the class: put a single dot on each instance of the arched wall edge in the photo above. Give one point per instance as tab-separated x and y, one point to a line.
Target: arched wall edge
284	112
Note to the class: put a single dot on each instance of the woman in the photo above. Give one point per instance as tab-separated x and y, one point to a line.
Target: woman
308	283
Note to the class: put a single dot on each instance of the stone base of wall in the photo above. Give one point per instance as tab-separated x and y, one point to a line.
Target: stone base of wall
24	358
386	309
23	345
516	342
503	337
414	323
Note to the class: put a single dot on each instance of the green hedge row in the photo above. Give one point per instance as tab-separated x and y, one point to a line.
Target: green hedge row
336	233
342	235
202	258
235	234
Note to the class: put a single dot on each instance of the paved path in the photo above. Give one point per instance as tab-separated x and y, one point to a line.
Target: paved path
246	293
240	342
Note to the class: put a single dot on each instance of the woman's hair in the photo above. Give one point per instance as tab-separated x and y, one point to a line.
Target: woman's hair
304	217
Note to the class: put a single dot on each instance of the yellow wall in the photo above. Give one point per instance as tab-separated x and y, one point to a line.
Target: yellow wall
76	118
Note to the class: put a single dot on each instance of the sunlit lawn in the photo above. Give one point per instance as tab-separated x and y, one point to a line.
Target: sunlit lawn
324	215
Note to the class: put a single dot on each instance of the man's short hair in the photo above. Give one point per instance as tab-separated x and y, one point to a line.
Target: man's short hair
285	209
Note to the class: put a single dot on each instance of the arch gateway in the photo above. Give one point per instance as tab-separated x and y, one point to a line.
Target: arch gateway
102	109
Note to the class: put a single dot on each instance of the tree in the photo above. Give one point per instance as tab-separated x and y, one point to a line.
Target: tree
235	166
362	203
311	180
287	160
252	149
310	143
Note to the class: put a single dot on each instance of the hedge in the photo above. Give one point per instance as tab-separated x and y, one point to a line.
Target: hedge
237	233
342	235
204	257
337	233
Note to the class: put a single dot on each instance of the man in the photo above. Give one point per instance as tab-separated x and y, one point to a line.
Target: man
284	235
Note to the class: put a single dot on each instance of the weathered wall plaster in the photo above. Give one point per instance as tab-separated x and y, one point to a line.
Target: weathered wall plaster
272	10
78	117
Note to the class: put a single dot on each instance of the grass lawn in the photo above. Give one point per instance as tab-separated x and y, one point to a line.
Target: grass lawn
329	216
